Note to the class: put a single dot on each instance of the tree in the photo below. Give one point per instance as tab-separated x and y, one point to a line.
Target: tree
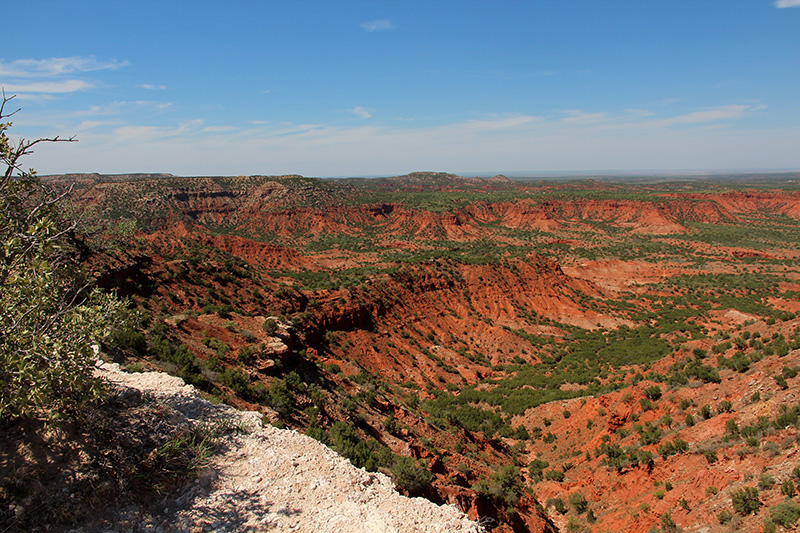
51	315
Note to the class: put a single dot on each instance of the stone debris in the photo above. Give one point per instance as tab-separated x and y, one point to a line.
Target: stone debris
265	478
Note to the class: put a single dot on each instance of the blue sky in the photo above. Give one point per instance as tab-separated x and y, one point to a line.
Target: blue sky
335	88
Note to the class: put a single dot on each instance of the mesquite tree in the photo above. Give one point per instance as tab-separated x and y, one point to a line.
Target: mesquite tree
50	315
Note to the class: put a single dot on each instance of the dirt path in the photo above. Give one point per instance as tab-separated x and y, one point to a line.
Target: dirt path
276	480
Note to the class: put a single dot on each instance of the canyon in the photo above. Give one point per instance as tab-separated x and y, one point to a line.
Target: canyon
545	355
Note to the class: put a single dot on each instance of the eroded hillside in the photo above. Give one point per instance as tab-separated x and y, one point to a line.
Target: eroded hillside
574	355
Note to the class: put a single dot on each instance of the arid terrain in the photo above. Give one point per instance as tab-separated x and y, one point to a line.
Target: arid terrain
546	355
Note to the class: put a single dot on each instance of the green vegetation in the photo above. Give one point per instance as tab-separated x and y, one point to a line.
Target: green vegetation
51	315
745	501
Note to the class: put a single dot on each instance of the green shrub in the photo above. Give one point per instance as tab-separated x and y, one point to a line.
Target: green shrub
579	502
557	504
785	514
536	468
788	488
270	326
788	372
668	524
505	484
50	316
409	475
653	393
745	501
710	456
765	481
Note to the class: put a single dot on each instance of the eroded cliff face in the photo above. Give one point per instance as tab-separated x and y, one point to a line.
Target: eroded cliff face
401	320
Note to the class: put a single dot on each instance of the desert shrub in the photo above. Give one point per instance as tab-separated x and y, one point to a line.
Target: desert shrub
270	326
653	393
788	488
409	475
785	514
579	502
554	475
668	524
765	481
710	456
745	501
51	316
650	434
557	504
281	398
536	468
731	428
345	439
505	484
724	516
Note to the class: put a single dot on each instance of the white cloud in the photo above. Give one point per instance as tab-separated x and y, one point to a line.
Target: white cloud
378	25
576	116
714	114
508	122
361	112
56	66
152	87
628	139
49	87
787	3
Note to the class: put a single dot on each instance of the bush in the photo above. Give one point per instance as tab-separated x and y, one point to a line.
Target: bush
765	481
50	315
668	524
270	326
653	393
409	475
745	501
710	456
788	488
579	502
505	485
785	513
536	468
558	504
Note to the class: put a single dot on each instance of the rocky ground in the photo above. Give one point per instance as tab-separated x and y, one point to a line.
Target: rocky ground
264	478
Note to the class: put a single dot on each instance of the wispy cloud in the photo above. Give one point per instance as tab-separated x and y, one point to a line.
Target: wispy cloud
361	112
152	87
56	66
780	4
42	78
49	87
714	114
378	25
570	140
576	116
